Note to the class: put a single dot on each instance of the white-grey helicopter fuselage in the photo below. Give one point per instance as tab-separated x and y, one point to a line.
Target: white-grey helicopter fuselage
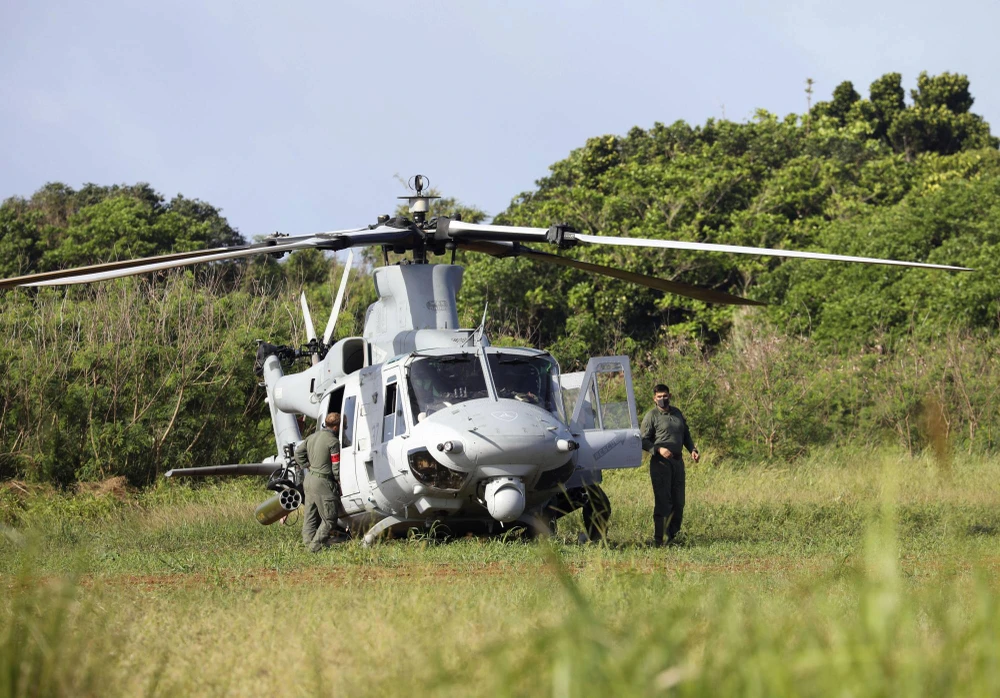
483	440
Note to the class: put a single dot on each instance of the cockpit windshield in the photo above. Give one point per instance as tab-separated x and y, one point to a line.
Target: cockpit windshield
437	382
526	378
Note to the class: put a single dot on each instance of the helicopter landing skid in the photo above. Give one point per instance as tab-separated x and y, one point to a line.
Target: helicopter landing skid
384	525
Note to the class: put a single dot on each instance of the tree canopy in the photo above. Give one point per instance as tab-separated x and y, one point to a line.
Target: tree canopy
872	177
61	227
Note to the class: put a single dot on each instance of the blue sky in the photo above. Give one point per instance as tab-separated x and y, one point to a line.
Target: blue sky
298	116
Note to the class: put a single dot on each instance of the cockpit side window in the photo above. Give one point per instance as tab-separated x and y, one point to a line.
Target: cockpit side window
389	415
439	382
347	422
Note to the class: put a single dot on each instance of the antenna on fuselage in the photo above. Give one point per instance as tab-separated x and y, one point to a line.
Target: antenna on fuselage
479	337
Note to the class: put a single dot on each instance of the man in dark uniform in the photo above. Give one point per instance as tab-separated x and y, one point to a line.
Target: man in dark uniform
321	454
664	433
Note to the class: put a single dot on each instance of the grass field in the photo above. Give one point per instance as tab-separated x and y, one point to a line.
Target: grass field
849	574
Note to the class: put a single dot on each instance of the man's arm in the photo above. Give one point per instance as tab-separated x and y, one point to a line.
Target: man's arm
647	432
689	442
302	454
335	459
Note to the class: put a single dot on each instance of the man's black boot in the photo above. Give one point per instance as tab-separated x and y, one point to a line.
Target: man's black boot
657	531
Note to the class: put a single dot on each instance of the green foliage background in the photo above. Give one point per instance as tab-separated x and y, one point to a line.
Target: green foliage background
866	177
133	377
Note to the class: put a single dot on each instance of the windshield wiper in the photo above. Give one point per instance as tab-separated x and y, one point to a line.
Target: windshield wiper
464	358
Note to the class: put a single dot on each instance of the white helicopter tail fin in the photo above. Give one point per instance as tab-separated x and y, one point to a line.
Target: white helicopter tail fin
332	322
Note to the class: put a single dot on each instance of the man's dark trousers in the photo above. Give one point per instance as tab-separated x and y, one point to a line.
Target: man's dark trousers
668	495
322	498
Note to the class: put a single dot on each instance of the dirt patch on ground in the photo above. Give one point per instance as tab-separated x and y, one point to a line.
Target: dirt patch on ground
309	576
257	580
354	574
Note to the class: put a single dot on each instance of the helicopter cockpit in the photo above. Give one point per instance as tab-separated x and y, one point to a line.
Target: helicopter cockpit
526	378
436	382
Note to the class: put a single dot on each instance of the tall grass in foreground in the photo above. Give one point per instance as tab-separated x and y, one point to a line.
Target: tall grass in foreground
853	631
55	642
819	578
722	643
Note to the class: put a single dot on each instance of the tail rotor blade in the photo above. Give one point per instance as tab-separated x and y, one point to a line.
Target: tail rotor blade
307	316
332	322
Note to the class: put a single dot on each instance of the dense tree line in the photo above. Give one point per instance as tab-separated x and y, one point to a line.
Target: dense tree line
137	375
61	227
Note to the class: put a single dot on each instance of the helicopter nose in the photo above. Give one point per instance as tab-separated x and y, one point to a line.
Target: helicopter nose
498	432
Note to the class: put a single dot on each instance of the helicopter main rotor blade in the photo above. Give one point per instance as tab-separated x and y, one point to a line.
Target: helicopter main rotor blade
490	232
739	249
161	266
478	231
333	240
677	288
192	257
29	279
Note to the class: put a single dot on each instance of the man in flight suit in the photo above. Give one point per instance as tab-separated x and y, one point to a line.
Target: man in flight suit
321	454
664	433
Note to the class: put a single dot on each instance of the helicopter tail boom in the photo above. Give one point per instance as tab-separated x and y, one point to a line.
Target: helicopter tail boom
286	429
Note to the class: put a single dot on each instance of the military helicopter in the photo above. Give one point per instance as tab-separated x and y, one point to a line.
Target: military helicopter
438	427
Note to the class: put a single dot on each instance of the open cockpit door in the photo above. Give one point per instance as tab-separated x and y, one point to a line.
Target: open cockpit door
600	403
